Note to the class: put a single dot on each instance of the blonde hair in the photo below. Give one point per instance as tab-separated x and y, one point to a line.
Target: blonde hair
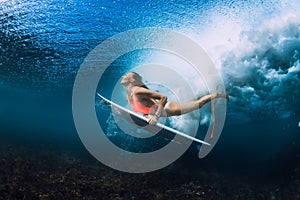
132	77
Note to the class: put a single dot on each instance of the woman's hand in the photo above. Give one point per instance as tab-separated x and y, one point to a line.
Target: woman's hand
153	120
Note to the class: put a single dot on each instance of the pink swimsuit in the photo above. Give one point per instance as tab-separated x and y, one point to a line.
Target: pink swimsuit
138	107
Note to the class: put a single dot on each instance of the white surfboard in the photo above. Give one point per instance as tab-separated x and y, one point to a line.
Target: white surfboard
143	121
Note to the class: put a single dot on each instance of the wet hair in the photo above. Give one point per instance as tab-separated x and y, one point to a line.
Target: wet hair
136	76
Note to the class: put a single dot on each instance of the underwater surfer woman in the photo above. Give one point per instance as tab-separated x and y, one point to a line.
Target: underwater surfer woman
149	102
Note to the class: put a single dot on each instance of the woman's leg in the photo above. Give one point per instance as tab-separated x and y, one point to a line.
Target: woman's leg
173	108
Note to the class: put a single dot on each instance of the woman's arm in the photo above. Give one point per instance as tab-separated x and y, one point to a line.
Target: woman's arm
146	93
162	102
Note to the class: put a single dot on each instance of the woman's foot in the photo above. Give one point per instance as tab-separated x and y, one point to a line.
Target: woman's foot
221	92
225	96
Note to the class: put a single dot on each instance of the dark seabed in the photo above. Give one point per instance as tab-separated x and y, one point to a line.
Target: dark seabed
254	44
44	171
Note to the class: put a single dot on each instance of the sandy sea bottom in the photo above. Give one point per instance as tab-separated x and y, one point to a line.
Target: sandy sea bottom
48	171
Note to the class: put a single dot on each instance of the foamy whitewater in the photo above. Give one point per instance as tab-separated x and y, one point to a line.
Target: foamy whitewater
256	47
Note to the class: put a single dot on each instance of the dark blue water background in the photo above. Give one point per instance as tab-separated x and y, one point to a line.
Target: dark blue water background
43	44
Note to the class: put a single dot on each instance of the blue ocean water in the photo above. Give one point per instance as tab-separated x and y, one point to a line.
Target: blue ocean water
255	45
